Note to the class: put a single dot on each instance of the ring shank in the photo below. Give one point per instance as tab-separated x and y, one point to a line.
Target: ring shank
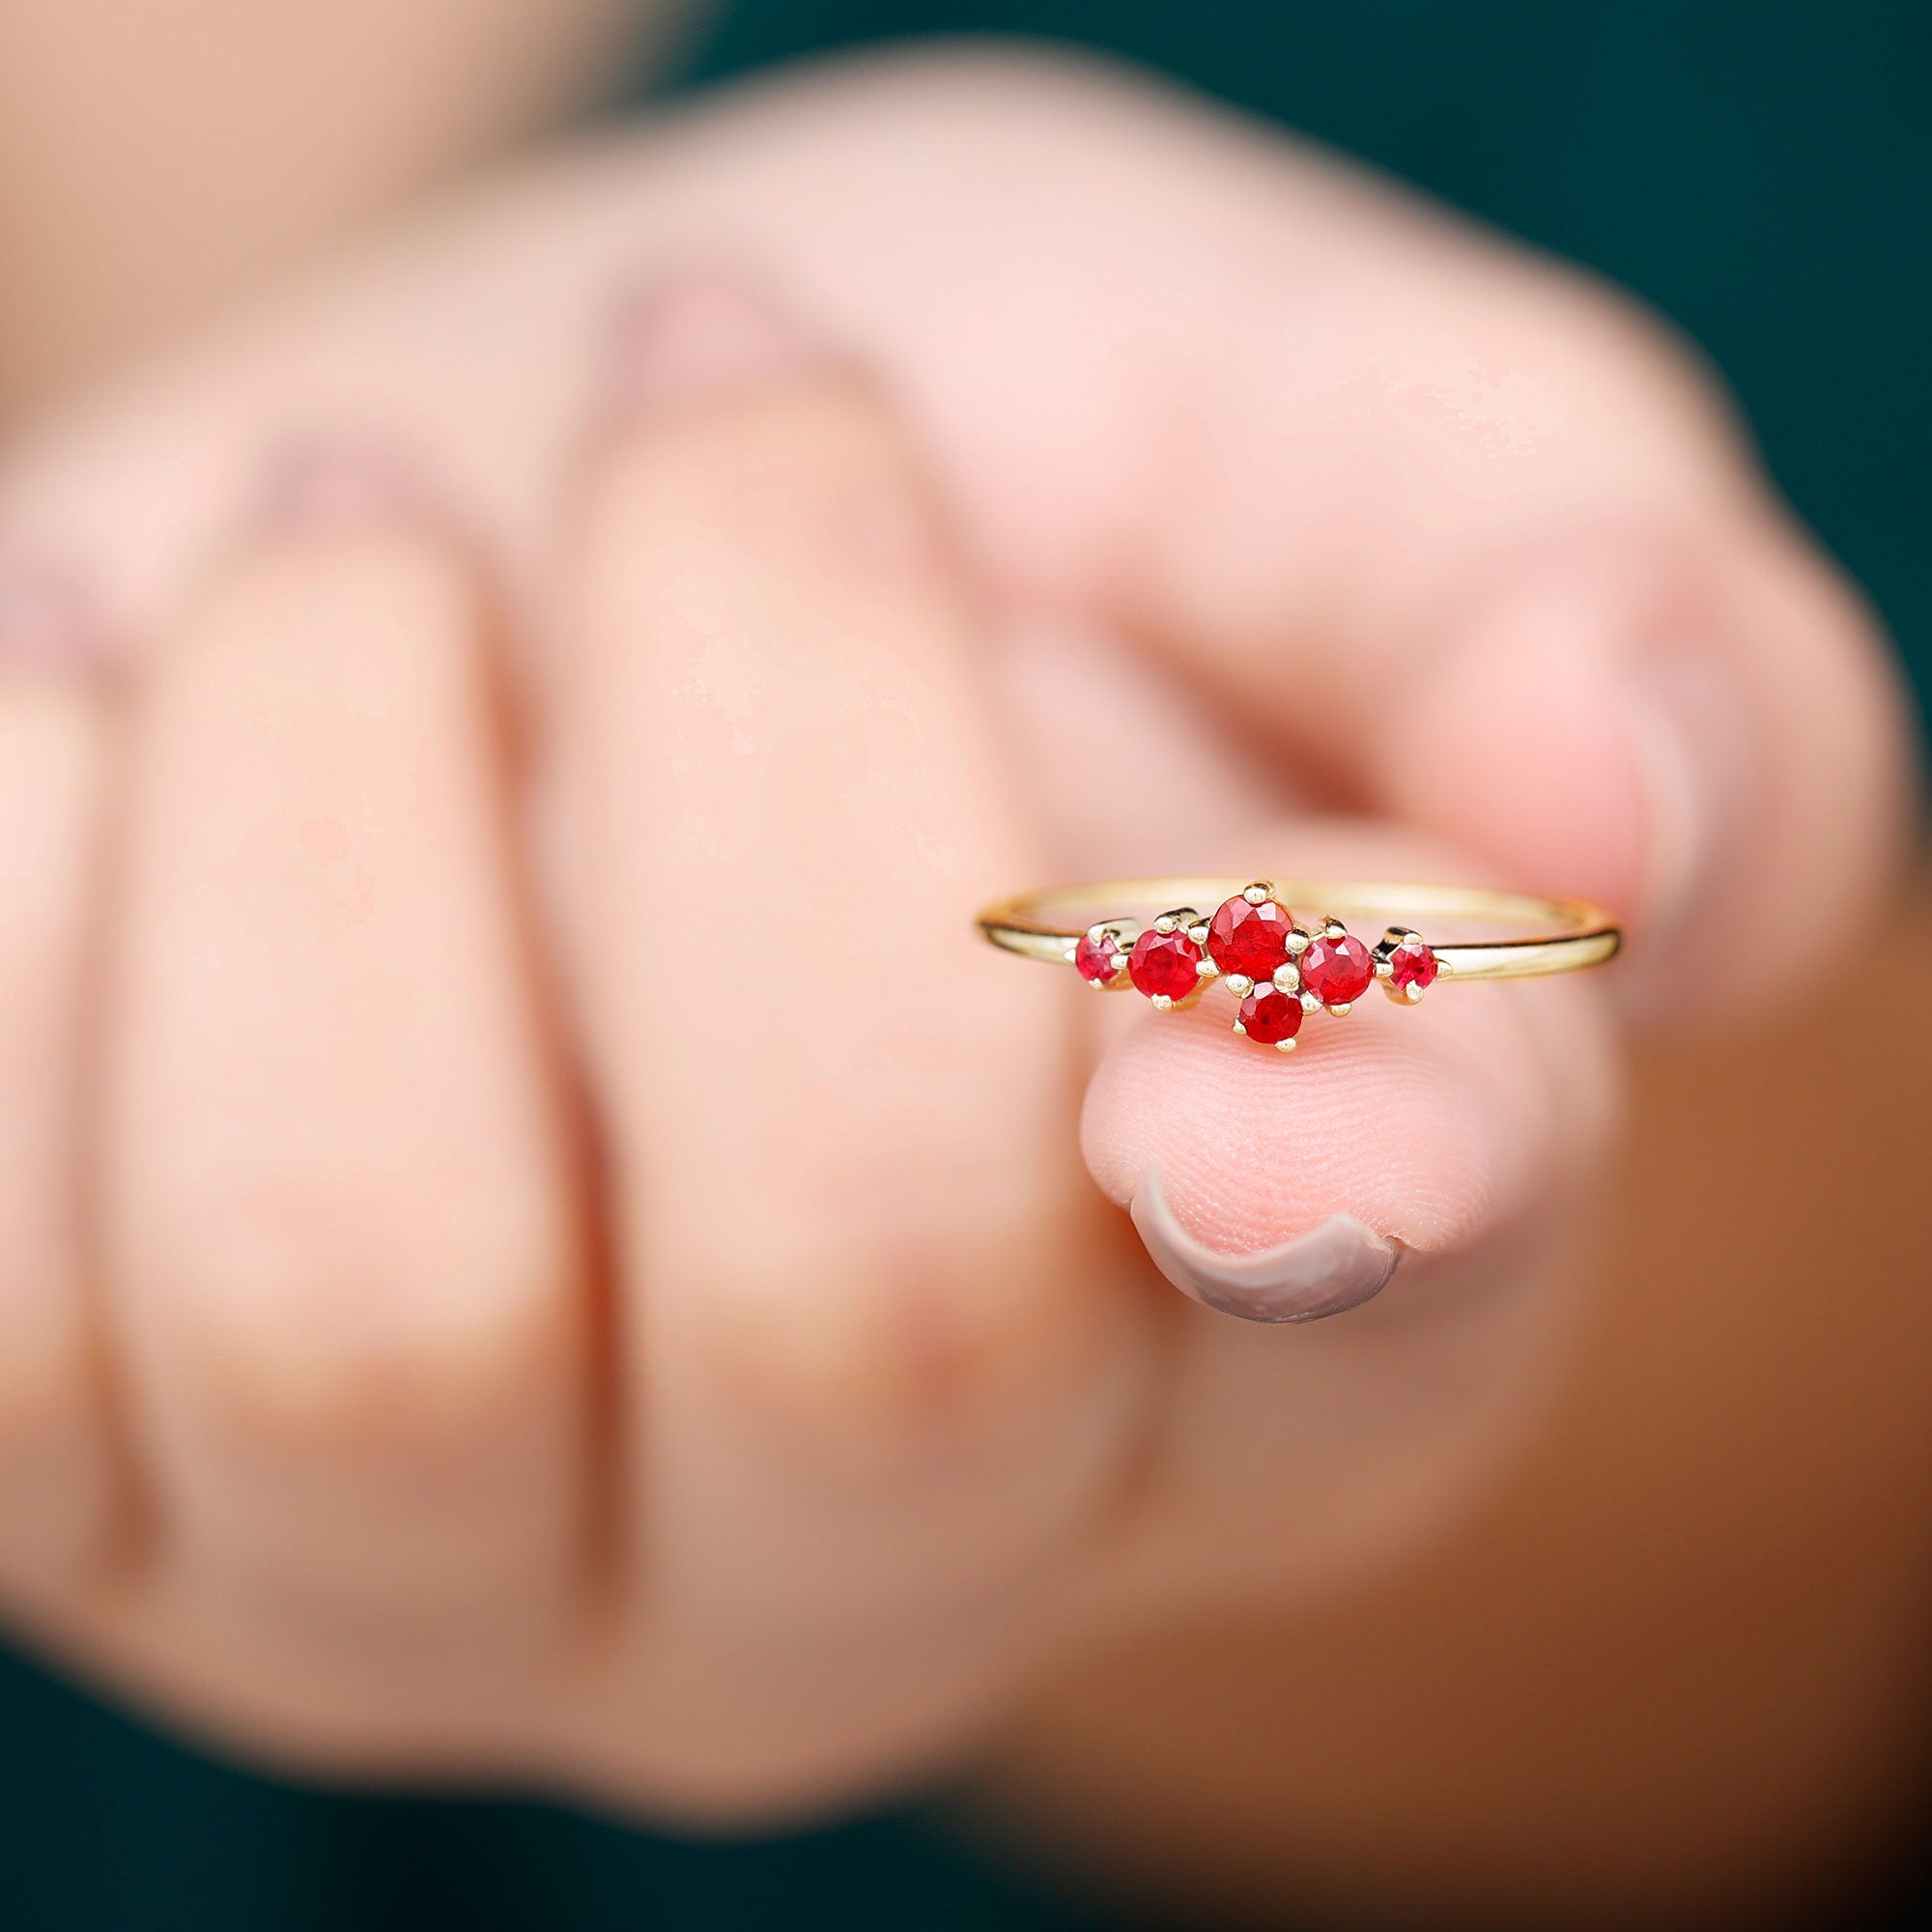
1555	935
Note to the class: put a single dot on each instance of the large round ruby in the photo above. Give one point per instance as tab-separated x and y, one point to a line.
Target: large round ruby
1411	964
1097	959
1270	1017
1249	939
1338	971
1165	962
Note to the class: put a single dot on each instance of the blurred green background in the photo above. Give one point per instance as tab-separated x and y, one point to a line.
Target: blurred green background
1762	173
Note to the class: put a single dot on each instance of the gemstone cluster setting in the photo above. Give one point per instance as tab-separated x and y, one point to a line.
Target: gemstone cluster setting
1279	970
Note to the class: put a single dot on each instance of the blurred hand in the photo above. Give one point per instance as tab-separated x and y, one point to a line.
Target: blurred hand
620	1304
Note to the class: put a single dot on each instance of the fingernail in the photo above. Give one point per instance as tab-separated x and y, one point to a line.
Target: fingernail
327	489
701	332
46	622
1690	738
1333	1268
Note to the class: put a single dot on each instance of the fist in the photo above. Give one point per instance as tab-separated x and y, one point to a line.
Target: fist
539	1243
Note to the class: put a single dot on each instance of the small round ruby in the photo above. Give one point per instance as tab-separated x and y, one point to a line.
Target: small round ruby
1164	962
1251	940
1270	1017
1097	959
1411	964
1338	971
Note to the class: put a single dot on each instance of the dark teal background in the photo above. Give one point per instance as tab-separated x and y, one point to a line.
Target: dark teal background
1762	173
105	1828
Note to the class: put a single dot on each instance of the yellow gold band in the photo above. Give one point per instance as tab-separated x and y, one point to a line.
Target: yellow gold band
1279	969
1550	935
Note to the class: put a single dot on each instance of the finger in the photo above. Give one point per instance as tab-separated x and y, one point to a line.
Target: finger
339	1220
59	1498
1422	1170
877	1352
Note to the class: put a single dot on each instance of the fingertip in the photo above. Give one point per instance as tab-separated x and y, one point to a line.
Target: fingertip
1287	1189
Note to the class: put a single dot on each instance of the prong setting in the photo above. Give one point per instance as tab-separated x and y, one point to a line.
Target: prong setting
1286	972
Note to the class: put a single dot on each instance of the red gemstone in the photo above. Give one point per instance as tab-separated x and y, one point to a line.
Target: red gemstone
1097	959
1411	964
1338	971
1251	940
1270	1017
1164	962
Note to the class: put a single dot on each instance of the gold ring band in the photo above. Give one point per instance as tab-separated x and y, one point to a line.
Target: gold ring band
1246	936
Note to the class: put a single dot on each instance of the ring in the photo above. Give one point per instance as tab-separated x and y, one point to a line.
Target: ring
1279	969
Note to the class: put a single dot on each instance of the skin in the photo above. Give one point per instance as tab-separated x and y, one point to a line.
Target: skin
158	164
516	1290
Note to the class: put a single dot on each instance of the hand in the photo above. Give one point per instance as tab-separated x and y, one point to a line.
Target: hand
621	1305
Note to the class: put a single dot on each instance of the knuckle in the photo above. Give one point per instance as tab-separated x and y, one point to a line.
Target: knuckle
311	1327
932	1333
318	589
808	468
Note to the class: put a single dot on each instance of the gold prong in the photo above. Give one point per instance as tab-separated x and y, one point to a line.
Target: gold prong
1411	992
1384	969
1241	1029
1341	1009
1565	935
1287	978
1310	1004
1163	1003
1206	969
1258	894
1239	984
1198	933
1284	1046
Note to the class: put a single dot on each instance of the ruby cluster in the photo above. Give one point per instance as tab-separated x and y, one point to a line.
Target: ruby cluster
1280	972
